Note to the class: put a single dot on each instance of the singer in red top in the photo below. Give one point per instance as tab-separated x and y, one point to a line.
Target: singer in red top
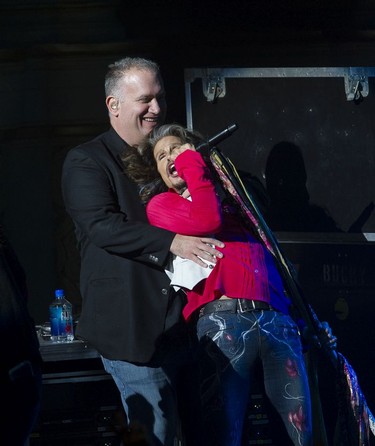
238	304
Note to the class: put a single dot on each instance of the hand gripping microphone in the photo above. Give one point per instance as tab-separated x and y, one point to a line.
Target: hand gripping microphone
217	138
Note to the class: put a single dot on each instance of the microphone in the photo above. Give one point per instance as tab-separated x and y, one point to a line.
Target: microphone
217	138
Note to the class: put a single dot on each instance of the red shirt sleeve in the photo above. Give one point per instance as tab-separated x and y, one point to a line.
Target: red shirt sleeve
201	215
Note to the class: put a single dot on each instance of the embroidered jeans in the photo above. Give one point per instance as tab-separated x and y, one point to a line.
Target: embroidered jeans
231	344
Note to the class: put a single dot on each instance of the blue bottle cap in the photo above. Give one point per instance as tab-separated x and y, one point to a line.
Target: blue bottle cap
59	293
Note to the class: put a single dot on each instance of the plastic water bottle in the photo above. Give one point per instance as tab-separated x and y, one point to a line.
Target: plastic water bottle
61	318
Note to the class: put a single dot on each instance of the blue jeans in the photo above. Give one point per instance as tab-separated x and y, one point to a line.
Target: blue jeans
231	346
148	397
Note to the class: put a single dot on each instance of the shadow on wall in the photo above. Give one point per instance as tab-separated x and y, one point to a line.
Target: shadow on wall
289	207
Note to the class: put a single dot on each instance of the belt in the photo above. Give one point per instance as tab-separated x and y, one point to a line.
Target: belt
234	306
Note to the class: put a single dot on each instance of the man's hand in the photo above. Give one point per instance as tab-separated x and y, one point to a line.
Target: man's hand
196	248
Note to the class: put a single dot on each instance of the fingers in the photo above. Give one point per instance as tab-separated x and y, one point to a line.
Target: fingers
213	241
197	249
330	339
203	251
186	146
199	261
208	249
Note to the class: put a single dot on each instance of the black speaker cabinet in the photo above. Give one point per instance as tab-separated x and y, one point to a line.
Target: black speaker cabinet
80	403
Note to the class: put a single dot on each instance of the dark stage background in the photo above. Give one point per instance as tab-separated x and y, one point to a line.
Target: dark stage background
53	57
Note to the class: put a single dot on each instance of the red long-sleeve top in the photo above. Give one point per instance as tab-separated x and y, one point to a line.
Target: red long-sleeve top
247	269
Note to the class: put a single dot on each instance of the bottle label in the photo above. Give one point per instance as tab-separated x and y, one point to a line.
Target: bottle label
61	321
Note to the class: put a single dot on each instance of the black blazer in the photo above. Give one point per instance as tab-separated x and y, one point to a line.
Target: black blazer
124	288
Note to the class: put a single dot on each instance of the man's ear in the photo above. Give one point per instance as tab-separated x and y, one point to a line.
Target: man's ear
112	104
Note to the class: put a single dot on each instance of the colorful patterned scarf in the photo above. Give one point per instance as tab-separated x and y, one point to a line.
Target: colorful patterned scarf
355	422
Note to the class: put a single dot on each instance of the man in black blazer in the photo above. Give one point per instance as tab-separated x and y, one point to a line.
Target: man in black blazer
129	313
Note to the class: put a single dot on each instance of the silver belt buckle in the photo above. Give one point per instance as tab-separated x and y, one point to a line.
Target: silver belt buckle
242	310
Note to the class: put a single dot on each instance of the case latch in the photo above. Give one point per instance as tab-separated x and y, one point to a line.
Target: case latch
356	86
213	87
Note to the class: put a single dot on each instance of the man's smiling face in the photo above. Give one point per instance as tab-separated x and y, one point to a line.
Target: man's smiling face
142	105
